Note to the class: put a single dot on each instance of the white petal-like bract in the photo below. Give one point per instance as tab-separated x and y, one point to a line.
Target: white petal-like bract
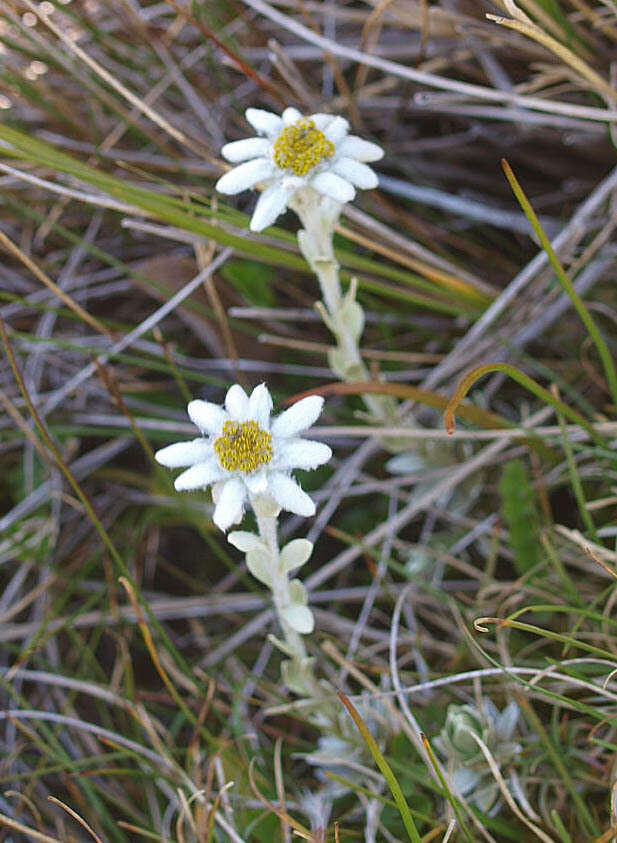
270	205
244	150
290	496
302	453
290	116
360	149
198	476
230	504
245	175
260	405
300	416
206	416
357	173
264	122
237	403
336	130
184	453
257	482
333	186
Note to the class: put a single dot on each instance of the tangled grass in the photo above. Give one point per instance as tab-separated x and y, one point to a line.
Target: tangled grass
462	584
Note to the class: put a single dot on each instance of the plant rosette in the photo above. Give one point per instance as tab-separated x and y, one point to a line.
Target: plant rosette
471	774
244	454
292	155
343	753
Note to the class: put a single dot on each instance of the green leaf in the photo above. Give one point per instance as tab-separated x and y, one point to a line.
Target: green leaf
300	618
258	562
295	554
608	364
518	504
252	280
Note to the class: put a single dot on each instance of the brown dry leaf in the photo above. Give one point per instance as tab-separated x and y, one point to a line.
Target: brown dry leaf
168	274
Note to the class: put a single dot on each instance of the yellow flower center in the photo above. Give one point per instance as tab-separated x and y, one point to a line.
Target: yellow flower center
301	147
243	446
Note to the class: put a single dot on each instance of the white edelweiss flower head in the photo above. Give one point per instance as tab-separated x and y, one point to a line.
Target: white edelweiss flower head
291	153
244	454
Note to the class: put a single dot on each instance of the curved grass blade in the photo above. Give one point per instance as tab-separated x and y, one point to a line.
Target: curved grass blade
524	380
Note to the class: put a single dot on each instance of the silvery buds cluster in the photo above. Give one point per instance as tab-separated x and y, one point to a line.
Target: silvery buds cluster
458	742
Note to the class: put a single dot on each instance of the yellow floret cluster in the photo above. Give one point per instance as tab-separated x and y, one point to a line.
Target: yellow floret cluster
243	446
301	147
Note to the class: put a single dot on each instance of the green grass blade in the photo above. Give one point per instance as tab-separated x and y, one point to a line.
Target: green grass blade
586	317
385	769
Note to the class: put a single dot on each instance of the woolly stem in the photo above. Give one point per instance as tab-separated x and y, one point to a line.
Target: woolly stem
297	670
268	533
341	313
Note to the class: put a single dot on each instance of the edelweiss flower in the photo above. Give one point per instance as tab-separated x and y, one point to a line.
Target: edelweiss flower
242	453
294	152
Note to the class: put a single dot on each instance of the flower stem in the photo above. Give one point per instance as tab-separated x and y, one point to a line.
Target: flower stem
280	587
298	670
340	312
